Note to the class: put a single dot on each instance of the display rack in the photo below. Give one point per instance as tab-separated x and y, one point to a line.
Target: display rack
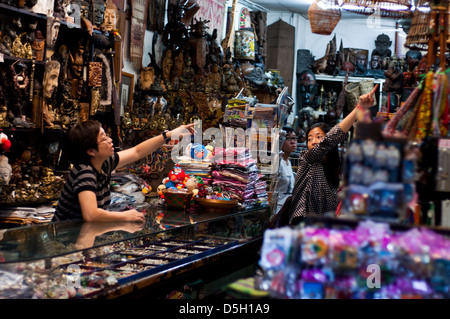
109	260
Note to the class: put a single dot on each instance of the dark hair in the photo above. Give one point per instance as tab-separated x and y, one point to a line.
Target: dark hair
288	130
83	137
331	161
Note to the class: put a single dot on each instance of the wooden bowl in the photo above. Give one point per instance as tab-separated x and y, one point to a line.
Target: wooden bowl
216	204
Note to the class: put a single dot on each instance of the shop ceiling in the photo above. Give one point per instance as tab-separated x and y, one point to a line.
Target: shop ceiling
294	6
301	6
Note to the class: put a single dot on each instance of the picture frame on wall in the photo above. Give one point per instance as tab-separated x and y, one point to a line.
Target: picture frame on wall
126	92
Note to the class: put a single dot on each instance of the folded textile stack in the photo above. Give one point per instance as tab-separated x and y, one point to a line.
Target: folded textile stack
31	215
197	168
235	172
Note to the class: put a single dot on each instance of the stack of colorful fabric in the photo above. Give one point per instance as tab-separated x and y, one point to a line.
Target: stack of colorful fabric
236	173
197	168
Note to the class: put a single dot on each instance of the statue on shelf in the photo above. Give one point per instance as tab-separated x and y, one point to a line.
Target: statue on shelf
75	74
198	43
307	88
158	86
175	34
200	80
375	62
214	83
215	50
5	170
361	64
179	62
18	48
38	45
382	44
85	11
167	65
6	45
52	35
187	79
321	66
394	80
4	117
229	84
99	10
375	68
58	9
147	77
50	83
110	16
412	60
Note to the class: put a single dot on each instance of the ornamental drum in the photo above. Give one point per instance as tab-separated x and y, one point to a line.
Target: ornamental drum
244	45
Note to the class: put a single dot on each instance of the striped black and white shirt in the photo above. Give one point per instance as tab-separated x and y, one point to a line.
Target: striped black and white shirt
85	178
312	193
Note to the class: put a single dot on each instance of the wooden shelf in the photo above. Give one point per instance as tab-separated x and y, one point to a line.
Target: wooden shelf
14	10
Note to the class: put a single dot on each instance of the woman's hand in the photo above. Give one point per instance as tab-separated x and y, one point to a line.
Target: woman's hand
182	130
133	215
366	100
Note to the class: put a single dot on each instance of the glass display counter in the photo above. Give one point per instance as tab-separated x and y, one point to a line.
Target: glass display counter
106	260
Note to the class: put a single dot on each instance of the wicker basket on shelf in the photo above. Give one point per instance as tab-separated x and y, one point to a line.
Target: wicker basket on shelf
323	17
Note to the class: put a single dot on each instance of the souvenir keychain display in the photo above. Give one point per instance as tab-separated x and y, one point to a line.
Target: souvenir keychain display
370	261
378	178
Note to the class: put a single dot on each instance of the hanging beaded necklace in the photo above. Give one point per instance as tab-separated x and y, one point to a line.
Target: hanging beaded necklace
425	110
20	80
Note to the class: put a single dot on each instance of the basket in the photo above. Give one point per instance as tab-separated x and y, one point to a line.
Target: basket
323	17
174	199
365	86
352	93
216	204
419	33
354	90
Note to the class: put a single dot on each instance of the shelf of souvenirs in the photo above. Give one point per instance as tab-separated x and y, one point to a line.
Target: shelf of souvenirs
30	130
12	58
22	11
341	78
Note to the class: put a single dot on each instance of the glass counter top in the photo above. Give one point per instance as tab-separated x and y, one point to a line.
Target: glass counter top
29	243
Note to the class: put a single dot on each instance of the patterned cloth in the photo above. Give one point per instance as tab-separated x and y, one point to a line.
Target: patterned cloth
312	193
81	178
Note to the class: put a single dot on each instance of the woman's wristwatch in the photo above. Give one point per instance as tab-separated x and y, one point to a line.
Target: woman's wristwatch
166	138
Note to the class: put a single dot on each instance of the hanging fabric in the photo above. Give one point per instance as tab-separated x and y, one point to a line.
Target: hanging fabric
137	32
425	112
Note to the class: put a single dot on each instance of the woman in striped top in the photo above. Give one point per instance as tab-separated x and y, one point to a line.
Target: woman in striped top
317	178
86	193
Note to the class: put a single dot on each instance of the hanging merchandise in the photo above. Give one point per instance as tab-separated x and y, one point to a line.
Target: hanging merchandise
425	113
323	17
137	32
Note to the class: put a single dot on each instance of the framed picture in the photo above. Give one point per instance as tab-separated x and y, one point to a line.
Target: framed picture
126	92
